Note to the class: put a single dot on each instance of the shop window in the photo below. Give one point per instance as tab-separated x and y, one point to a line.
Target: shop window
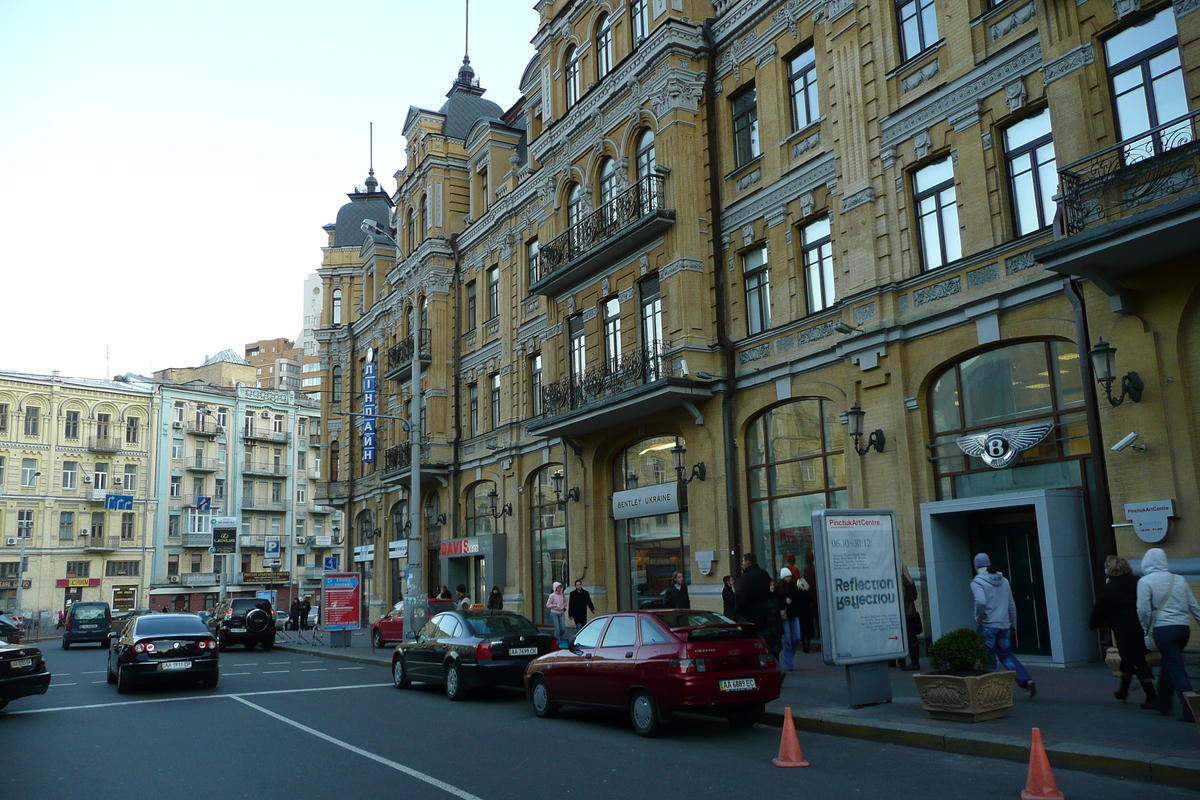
480	521
548	538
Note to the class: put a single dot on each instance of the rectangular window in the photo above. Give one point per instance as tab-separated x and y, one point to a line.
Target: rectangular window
471	306
33	421
577	347
129	479
1032	173
122	569
612	332
196	563
276	492
802	84
531	260
652	326
758	290
2	463
493	281
937	214
277	423
25	523
473	409
79	569
1147	84
918	26
494	381
639	14
219	489
103	427
817	247
300	493
177	411
29	472
222	417
535	385
173	525
173	564
301	560
746	146
100	476
301	460
70	474
248	423
71	425
176	486
3	417
66	526
131	430
127	527
177	449
97	524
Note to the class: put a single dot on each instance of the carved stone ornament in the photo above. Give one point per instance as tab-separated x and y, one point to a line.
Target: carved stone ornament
807	204
676	95
747	235
1077	59
915	79
790	15
1124	8
1015	95
1015	20
922	144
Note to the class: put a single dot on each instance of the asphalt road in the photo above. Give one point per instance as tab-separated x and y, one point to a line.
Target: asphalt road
286	725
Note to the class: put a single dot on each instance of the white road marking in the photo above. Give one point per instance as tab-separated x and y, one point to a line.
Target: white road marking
97	672
55	685
316	669
421	776
346	668
275	663
227	674
191	698
314	661
275	671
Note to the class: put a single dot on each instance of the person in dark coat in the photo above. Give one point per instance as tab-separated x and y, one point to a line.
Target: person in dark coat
810	577
579	602
676	595
753	592
773	630
445	593
495	600
788	597
912	620
293	621
1116	609
729	599
305	607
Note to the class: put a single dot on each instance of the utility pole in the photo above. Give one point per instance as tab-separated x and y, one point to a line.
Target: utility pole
414	596
25	534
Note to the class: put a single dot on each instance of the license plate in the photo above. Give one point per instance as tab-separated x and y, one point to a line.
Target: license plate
170	665
21	663
737	684
89	626
522	651
237	630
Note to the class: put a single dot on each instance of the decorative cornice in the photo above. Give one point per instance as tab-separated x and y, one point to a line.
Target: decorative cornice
1077	59
861	197
821	171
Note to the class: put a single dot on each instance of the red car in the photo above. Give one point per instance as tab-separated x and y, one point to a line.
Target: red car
390	627
654	663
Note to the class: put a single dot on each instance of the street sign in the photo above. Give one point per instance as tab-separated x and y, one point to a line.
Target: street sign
118	502
203	503
271	547
341	610
331	563
224	540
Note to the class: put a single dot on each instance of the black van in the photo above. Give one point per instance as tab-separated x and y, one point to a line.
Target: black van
87	622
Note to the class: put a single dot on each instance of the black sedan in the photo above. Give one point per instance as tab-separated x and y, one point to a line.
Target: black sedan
22	672
466	649
122	618
10	629
163	647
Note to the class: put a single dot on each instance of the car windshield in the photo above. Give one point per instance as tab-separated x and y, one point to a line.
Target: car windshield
701	620
169	625
493	624
89	612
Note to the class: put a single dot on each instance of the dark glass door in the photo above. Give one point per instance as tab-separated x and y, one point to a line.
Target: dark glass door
1010	538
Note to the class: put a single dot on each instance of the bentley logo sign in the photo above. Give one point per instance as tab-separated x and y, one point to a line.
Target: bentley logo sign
1000	448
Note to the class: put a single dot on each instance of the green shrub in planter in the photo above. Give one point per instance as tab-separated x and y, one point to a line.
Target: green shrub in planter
960	651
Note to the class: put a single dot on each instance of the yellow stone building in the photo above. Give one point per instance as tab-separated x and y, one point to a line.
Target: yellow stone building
727	263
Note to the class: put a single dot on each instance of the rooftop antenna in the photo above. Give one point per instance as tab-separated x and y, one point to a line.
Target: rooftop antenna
467	33
371	149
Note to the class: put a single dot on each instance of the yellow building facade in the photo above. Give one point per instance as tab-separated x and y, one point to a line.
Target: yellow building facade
725	264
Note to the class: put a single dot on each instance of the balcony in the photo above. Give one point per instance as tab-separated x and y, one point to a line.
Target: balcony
200	578
314	440
640	383
397	460
310	573
264	469
264	504
400	355
101	544
105	444
252	539
1128	207
205	428
617	228
197	540
203	464
193	501
262	434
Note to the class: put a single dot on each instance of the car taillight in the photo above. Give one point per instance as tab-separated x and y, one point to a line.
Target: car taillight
207	644
687	666
483	650
766	661
229	612
144	647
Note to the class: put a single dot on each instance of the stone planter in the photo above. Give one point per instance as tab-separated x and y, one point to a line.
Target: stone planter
967	698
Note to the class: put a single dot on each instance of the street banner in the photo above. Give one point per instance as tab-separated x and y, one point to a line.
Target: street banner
341	610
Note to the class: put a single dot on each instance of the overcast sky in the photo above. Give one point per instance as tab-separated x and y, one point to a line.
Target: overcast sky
166	166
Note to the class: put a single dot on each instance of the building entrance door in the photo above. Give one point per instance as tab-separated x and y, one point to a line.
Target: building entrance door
1010	538
73	594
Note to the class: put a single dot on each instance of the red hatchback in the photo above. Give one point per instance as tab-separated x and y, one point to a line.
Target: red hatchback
390	627
654	663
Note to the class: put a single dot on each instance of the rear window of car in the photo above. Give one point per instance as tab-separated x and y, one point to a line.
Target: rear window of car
242	606
492	624
168	625
89	612
701	621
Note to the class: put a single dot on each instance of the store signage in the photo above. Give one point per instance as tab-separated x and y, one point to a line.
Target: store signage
1150	520
858	577
369	406
224	540
11	583
364	552
1001	448
398	549
461	547
647	501
266	577
343	601
124	598
75	583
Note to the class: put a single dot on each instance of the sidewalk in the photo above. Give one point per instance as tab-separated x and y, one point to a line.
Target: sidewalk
1083	726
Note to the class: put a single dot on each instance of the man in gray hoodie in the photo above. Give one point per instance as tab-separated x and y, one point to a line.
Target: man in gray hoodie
996	615
1164	603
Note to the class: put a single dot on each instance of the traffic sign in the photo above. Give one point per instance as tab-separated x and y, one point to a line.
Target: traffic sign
203	503
118	502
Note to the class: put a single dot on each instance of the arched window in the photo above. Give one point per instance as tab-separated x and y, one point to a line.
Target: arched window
335	460
574	205
645	154
336	311
548	528
608	181
399	518
571	73
479	519
425	216
336	388
412	231
603	46
650	549
795	465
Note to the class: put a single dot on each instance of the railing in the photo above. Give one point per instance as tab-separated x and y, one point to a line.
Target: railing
102	542
203	464
264	503
197	540
314	439
644	197
252	539
1137	172
199	578
636	368
192	500
250	432
401	353
205	428
265	469
105	444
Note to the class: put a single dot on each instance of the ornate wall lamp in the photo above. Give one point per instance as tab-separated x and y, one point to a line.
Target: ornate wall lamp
497	513
572	494
699	471
1104	367
433	518
876	441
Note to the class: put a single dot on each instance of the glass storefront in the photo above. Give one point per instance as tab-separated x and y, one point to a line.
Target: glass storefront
650	549
548	538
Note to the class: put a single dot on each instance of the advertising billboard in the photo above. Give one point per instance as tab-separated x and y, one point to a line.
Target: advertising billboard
342	607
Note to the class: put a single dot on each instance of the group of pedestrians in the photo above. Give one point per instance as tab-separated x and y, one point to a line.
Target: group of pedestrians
576	606
298	614
781	610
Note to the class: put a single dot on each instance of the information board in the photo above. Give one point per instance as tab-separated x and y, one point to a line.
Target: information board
859	592
341	610
224	535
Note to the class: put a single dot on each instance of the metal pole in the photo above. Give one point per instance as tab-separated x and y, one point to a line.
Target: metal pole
414	607
21	565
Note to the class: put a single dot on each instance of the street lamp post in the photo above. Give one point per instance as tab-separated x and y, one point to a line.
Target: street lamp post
28	532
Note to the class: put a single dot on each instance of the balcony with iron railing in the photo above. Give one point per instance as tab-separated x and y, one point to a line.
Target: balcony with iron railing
252	539
638	383
264	434
105	444
201	464
264	468
630	220
99	544
264	504
214	503
1129	206
199	578
205	428
197	540
400	355
397	460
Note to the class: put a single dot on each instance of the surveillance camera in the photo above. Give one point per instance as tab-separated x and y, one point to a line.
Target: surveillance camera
1128	441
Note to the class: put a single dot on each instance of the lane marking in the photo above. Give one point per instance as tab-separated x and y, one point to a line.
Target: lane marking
228	674
88	706
316	669
421	776
275	671
56	685
343	669
277	663
97	672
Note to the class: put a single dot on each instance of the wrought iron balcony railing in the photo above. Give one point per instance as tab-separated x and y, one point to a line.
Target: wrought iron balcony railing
599	384
400	355
623	211
205	428
1138	172
264	468
264	434
203	464
105	444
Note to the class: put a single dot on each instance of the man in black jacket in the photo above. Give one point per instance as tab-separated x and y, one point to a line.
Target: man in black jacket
753	591
578	603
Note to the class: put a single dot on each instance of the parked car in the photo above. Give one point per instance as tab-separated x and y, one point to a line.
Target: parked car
466	649
249	621
163	647
390	627
654	663
23	672
10	629
122	618
282	618
87	622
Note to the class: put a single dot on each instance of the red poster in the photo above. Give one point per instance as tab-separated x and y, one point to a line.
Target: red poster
342	599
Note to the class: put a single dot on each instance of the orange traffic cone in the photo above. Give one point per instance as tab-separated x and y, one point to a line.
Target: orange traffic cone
1040	784
789	744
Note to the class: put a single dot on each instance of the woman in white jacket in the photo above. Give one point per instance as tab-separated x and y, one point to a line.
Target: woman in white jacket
1164	603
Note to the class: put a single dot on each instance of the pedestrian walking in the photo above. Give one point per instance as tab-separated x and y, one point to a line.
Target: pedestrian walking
1116	609
676	595
912	620
773	630
753	591
496	599
463	601
444	594
729	598
305	607
293	622
61	619
579	602
788	597
1164	603
557	603
996	616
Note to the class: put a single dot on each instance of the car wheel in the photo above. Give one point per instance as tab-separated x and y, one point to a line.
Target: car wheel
543	705
105	644
210	681
455	689
400	677
267	645
257	620
3	703
643	713
249	645
221	643
745	716
124	685
66	645
376	639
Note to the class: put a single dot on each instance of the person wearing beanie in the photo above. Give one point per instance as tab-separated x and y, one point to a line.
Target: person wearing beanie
996	616
463	601
790	600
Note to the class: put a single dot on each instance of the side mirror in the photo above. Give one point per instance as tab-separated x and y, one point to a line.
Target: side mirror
410	635
114	635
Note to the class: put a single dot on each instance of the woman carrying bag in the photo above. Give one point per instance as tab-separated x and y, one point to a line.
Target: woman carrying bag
1164	603
1116	609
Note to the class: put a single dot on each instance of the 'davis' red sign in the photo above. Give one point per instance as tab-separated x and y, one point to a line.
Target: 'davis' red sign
460	547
